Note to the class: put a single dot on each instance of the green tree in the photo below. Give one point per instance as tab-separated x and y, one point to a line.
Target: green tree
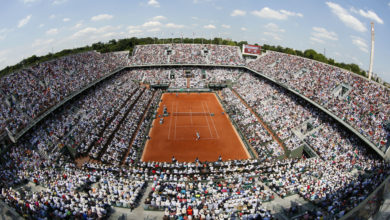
290	51
310	53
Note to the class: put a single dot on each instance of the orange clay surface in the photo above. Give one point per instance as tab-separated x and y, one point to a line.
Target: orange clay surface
177	135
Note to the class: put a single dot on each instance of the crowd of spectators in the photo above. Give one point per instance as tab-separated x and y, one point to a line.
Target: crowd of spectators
213	199
365	104
186	54
78	123
109	123
329	180
122	138
281	111
61	190
177	77
136	147
258	137
27	93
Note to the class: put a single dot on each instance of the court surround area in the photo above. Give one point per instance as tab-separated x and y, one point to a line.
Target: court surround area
195	126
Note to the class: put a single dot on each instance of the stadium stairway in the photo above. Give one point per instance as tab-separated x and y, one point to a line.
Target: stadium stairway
139	212
280	206
119	125
383	212
8	213
110	120
137	129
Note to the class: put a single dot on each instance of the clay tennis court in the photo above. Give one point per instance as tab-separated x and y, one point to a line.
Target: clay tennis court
190	116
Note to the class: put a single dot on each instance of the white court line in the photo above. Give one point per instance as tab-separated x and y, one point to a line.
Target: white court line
170	123
183	139
208	125
189	126
175	122
212	120
191	114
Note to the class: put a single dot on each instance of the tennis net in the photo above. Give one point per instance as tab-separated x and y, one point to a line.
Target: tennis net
191	113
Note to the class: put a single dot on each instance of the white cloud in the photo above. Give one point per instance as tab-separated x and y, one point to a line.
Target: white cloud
201	1
360	43
101	17
225	26
290	13
153	30
93	31
172	25
78	25
41	25
29	1
42	42
58	2
274	28
3	56
66	19
238	12
154	3
275	36
371	15
4	32
52	31
274	31
322	33
243	29
133	30
132	27
158	18
346	17
52	16
357	61
85	31
314	39
273	14
24	21
151	24
112	34
337	54
209	26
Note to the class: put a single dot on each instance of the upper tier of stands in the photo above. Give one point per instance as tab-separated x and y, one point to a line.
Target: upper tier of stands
363	104
187	54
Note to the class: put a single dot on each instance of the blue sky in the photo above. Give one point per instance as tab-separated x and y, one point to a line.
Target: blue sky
342	28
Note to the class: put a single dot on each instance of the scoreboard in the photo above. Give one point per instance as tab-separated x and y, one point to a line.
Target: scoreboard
251	49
